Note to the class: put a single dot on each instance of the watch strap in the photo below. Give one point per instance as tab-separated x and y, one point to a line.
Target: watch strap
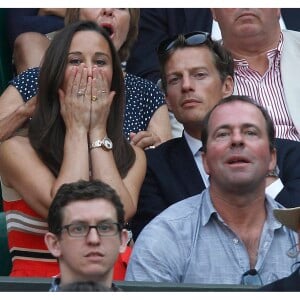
105	143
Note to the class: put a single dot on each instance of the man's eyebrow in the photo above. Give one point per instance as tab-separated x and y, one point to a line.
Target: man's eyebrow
223	126
244	125
198	68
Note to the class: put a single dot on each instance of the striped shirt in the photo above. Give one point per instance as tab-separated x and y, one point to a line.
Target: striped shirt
267	90
26	230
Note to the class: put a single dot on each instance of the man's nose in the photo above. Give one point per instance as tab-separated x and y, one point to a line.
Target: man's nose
237	138
187	83
93	236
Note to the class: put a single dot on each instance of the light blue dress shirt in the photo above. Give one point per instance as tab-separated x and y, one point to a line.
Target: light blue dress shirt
190	243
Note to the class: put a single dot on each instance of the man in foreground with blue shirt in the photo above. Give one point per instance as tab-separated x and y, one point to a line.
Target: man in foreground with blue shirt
227	234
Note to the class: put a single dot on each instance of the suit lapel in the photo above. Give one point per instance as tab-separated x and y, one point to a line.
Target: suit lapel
290	74
183	164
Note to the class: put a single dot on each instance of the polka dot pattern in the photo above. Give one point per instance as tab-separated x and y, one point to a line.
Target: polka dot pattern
27	83
143	98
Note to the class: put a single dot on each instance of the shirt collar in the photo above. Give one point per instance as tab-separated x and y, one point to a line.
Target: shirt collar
271	204
208	208
275	53
209	211
193	143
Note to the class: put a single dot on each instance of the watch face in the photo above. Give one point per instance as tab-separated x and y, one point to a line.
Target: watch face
107	143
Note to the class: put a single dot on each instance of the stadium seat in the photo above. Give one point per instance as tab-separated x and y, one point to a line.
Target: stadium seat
6	72
5	258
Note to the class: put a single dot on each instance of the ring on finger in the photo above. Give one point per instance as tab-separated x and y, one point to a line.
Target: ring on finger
103	92
94	98
80	93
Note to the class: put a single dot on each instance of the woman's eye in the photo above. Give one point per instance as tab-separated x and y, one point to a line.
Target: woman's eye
75	62
100	62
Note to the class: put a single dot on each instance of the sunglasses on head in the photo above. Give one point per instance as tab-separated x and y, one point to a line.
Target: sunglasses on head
190	39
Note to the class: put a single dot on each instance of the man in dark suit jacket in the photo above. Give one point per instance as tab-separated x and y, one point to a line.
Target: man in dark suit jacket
172	170
195	78
288	162
172	175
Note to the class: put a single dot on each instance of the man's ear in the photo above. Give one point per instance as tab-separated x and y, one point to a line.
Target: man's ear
168	103
273	160
53	244
228	86
124	240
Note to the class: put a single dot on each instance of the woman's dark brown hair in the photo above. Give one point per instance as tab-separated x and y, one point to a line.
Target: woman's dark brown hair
47	128
72	15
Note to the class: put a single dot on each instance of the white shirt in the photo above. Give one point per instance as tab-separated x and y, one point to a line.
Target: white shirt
195	145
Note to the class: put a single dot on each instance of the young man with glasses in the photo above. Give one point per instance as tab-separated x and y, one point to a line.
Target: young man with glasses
218	236
86	233
196	73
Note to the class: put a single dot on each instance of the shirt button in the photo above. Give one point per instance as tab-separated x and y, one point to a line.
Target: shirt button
235	241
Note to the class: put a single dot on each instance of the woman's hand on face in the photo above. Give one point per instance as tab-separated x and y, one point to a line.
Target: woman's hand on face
75	102
144	139
101	99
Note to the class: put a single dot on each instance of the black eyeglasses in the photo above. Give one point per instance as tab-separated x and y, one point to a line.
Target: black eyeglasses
190	39
251	277
83	229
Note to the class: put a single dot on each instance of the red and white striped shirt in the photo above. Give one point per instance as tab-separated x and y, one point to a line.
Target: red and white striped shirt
268	91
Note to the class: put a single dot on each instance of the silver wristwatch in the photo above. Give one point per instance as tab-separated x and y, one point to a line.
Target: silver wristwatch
106	144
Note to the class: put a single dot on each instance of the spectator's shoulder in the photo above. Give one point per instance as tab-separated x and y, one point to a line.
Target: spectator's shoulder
185	209
291	35
163	148
137	81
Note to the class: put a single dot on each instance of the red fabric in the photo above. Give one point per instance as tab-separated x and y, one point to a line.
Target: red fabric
28	267
23	268
121	264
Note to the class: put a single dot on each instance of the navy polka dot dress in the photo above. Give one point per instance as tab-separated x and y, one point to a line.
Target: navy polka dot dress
143	98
